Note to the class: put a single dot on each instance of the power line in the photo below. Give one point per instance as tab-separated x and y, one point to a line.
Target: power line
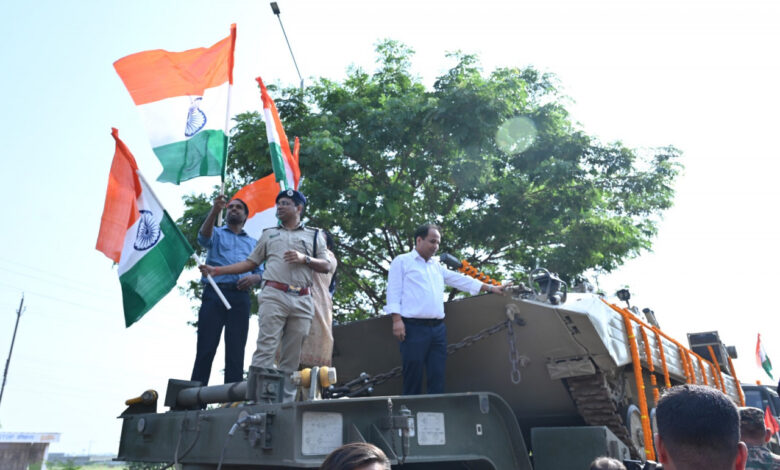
59	299
59	281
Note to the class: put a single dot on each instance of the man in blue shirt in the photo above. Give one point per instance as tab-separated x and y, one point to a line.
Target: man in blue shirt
226	245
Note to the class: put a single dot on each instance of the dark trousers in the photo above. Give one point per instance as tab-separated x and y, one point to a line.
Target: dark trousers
212	317
424	350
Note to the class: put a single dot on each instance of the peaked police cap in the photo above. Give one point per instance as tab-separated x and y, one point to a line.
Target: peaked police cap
296	196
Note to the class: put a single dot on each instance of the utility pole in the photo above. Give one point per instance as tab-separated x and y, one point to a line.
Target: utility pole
13	339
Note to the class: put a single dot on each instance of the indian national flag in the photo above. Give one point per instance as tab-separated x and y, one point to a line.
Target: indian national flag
184	99
260	197
762	359
770	422
285	164
138	234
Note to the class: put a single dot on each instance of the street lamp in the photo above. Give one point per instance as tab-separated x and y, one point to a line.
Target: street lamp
275	9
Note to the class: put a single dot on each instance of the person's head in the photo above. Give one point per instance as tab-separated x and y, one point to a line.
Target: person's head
356	456
698	428
607	463
290	205
426	240
752	427
237	212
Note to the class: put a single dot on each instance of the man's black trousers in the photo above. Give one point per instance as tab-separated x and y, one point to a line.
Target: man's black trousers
212	318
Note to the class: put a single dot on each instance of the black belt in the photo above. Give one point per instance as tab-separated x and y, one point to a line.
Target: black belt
423	321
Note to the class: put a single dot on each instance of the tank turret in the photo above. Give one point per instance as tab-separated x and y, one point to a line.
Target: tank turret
558	358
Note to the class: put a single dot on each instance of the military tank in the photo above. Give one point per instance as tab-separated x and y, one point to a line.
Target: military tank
558	358
541	366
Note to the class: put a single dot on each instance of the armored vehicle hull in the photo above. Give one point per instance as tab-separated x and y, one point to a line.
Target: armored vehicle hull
454	431
556	365
522	370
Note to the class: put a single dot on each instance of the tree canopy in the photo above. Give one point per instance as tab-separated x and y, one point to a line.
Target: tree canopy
495	159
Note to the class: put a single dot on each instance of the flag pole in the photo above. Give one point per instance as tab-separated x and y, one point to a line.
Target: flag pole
225	151
213	284
197	260
231	62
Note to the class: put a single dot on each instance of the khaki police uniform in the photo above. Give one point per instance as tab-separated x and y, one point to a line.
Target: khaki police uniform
284	316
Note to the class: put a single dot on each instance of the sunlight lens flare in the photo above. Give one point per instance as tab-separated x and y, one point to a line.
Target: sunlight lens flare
516	135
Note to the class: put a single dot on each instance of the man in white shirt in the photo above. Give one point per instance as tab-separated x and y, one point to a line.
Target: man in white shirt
415	299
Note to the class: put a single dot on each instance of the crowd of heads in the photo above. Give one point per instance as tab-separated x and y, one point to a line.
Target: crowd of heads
698	428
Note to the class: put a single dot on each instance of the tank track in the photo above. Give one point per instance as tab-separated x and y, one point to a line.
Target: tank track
596	404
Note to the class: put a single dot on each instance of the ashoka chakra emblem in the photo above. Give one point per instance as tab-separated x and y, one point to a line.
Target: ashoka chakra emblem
148	232
196	119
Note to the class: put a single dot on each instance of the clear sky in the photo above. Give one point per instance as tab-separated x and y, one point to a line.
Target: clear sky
700	75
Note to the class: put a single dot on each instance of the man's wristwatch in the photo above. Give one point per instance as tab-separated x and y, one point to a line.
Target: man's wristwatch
308	259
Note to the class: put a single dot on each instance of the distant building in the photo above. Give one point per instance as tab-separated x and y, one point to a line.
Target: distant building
19	450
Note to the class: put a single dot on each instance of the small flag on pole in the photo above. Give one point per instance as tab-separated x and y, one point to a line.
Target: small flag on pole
138	234
770	422
285	164
260	196
762	359
184	98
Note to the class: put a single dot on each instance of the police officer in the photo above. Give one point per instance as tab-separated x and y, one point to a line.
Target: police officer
286	308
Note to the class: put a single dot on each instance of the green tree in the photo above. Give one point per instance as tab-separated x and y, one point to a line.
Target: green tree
493	158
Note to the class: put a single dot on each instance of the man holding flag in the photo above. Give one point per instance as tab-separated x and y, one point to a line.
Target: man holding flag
290	252
226	245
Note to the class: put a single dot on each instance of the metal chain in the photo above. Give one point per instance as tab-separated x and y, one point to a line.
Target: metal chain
480	335
514	357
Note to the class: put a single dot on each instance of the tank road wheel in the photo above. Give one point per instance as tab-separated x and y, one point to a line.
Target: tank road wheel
635	431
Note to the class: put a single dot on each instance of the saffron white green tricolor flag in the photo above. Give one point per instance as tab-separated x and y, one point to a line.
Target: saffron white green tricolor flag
138	234
184	98
260	198
285	164
762	359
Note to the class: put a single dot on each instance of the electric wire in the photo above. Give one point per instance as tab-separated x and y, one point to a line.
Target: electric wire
60	280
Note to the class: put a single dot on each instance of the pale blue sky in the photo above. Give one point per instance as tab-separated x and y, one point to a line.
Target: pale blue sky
702	76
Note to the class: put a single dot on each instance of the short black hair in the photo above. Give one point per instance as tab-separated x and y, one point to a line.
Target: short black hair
751	423
699	427
422	230
355	455
246	208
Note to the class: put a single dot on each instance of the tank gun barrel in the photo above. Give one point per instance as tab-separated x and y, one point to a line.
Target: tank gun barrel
189	394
